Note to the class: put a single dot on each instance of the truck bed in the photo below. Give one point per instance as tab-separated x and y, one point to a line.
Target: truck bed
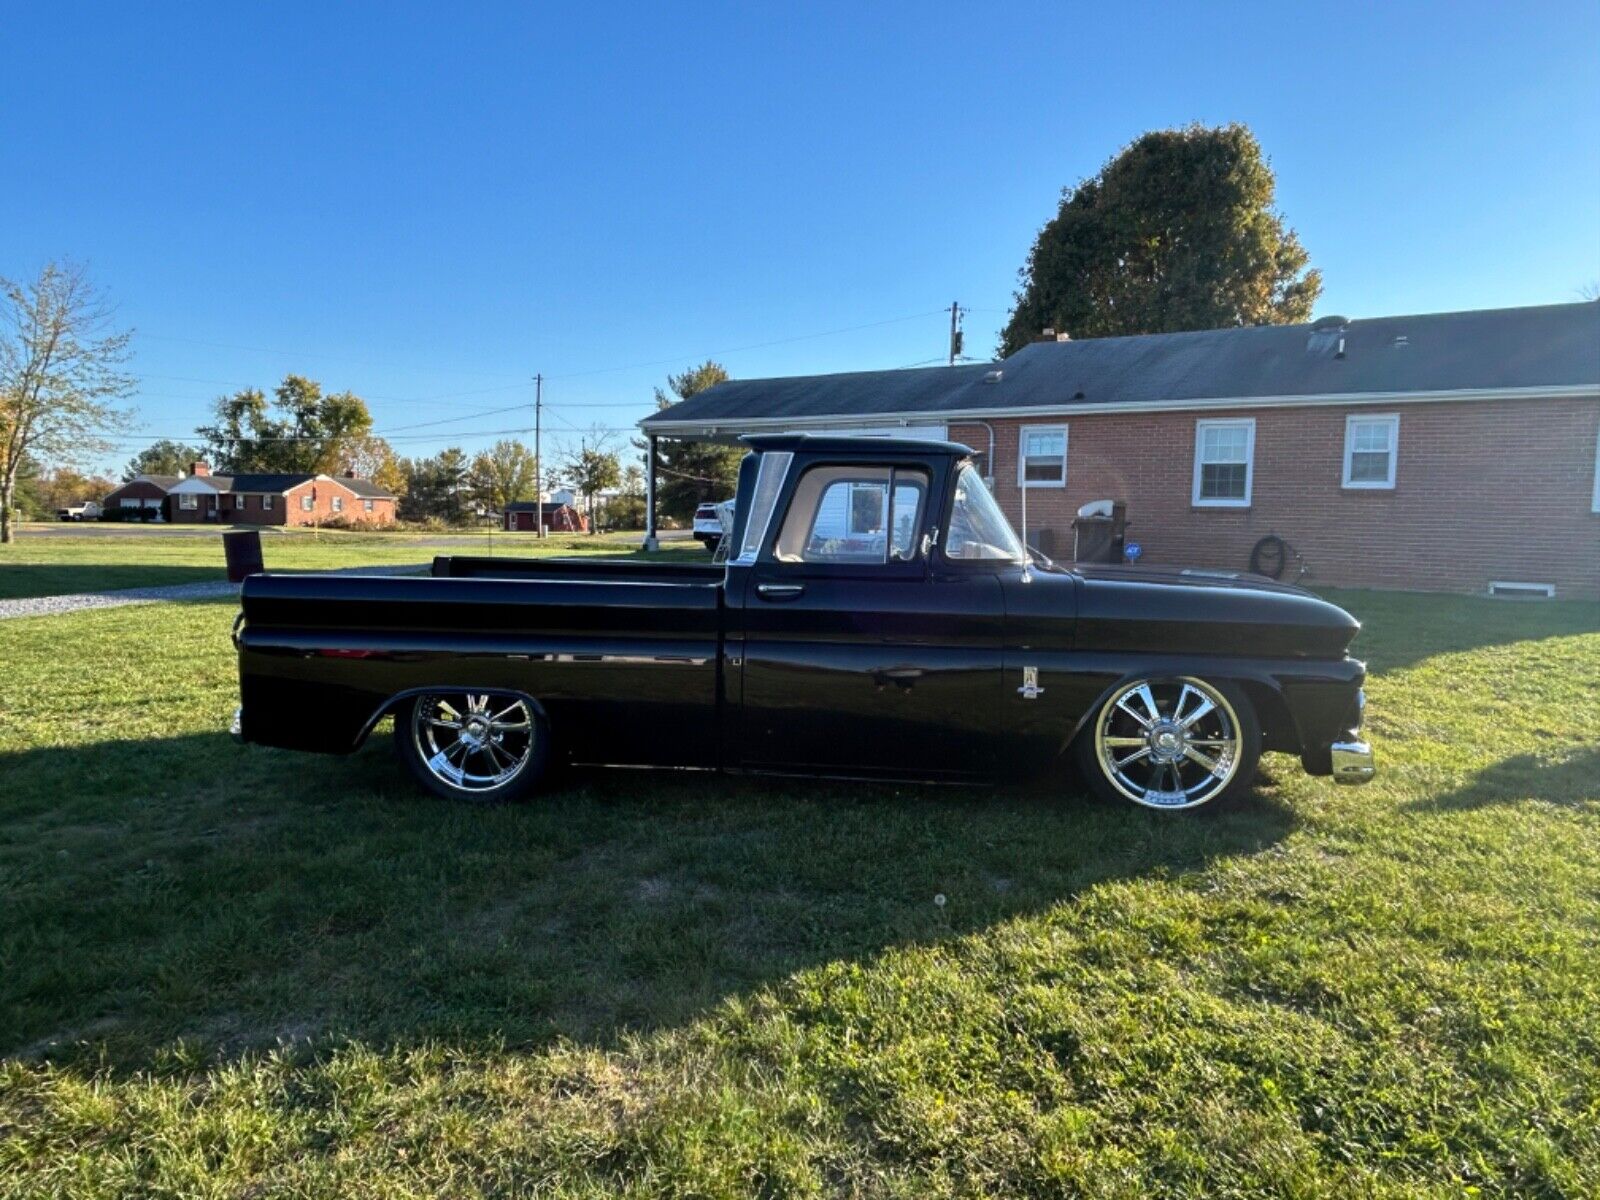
625	663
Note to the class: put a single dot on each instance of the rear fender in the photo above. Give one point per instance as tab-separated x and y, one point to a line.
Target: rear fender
399	698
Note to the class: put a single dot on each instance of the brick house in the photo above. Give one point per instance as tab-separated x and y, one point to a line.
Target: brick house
1442	452
143	492
296	499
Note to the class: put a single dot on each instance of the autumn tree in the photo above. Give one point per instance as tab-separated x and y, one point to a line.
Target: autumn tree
60	376
371	457
690	473
502	474
1176	232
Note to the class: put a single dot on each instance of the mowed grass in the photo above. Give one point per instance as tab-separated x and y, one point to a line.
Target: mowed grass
235	971
63	563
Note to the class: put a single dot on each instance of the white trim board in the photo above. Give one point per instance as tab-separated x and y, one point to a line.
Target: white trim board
1025	412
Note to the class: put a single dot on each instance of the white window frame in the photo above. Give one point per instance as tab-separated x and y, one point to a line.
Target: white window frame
266	503
1022	457
367	506
338	504
1392	420
1595	507
308	503
188	500
1200	426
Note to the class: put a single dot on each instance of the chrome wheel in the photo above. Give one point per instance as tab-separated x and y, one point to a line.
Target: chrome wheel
1168	744
473	741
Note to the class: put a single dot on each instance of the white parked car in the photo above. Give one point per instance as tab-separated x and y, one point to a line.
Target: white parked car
88	510
711	521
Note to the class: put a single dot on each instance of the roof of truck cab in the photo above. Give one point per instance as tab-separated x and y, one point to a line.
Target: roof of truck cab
833	443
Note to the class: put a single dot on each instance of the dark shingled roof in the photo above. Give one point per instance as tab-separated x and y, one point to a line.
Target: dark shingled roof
1555	345
278	484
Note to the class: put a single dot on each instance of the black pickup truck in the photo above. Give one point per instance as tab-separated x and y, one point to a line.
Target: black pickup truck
877	618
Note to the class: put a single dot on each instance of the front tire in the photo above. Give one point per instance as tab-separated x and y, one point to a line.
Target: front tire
482	747
1171	744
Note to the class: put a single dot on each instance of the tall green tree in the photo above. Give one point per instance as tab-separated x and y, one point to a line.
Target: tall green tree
302	430
502	474
690	473
61	376
433	487
1176	232
164	457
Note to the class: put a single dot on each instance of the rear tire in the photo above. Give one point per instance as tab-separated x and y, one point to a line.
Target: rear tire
1172	743
481	747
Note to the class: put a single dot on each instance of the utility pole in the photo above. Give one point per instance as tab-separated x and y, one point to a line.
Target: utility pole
538	473
955	332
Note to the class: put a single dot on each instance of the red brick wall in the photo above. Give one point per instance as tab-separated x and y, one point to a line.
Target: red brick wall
323	491
205	511
246	510
138	489
1483	490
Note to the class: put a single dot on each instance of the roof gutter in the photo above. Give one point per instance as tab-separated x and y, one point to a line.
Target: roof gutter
730	425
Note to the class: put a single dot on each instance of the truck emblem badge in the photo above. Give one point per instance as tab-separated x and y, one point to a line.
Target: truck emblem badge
1030	689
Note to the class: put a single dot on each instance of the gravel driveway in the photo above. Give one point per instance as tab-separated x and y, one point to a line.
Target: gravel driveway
42	606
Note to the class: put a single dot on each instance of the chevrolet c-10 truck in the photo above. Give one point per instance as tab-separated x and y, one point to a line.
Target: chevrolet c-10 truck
877	617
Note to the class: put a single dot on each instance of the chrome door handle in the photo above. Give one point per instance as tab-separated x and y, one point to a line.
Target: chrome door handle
779	591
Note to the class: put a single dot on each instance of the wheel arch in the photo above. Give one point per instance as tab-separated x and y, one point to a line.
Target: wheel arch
1265	694
388	706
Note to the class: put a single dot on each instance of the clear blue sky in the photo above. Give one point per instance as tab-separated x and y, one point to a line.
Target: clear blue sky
418	203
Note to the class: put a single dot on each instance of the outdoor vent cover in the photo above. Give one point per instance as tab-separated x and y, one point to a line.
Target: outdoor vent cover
1511	587
993	376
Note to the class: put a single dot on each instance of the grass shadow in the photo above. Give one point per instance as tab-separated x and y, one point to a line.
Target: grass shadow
1524	778
1450	624
22	581
236	897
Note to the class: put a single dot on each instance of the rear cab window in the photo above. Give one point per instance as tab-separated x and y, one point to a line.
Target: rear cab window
856	515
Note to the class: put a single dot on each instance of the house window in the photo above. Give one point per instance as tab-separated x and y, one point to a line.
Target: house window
338	504
187	501
1370	444
1224	456
367	505
1042	456
1595	507
307	502
266	504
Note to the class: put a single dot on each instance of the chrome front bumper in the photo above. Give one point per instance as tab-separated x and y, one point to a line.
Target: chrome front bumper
1352	762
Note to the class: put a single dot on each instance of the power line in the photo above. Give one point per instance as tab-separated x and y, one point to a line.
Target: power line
753	346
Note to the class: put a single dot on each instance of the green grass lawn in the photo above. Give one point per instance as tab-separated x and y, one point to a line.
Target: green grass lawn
236	971
124	558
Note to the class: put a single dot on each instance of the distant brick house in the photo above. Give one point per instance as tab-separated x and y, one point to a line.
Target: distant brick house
559	517
1445	452
280	499
146	493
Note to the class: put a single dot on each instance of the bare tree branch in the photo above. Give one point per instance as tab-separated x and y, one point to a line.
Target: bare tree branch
61	375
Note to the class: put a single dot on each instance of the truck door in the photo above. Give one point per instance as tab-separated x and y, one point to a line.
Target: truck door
858	656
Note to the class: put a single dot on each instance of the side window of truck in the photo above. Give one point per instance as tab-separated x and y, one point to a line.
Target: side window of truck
854	515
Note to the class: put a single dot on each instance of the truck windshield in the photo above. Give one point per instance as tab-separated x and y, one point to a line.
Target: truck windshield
978	529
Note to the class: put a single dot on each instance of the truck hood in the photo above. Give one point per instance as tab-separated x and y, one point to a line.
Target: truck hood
1184	576
1209	612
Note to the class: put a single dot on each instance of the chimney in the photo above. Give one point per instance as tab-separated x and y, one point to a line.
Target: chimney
199	469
